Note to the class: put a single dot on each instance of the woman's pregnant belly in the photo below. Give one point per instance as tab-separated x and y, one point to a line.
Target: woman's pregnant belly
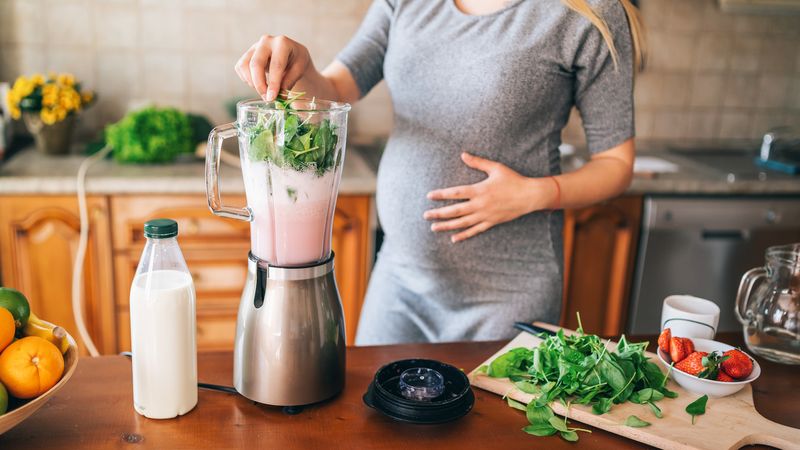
409	169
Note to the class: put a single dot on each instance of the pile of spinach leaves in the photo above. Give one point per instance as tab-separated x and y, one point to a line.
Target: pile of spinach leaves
305	145
579	369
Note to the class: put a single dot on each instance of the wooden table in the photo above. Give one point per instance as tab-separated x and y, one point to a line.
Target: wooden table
95	411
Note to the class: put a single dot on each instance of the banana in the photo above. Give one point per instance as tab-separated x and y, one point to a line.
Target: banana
52	333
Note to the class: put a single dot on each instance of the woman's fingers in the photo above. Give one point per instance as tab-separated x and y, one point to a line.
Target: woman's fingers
456	224
258	65
449	211
453	193
279	60
476	162
242	67
297	68
470	232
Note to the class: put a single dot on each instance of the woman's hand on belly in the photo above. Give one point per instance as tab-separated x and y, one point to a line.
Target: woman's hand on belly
502	196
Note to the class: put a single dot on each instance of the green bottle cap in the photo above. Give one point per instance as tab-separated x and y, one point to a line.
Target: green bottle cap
160	228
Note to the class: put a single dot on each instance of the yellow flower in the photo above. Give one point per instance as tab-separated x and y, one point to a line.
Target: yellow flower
37	79
15	112
48	116
66	79
87	97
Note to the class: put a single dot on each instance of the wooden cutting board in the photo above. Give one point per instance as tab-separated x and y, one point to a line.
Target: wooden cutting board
729	422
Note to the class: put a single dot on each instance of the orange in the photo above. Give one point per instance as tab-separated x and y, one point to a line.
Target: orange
30	366
7	328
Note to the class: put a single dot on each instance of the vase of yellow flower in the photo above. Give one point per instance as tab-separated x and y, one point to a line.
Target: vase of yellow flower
49	106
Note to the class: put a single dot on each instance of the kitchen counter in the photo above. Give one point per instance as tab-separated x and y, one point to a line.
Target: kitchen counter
95	411
30	172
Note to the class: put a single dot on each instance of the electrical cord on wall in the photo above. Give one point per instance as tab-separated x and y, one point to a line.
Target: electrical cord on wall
80	255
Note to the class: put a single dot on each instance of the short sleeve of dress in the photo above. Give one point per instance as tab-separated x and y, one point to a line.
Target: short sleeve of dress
603	91
364	54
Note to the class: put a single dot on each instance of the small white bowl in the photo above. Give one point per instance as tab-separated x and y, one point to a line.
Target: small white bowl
712	388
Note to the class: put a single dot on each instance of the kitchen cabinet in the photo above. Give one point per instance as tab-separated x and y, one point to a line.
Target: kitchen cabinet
599	254
38	243
39	235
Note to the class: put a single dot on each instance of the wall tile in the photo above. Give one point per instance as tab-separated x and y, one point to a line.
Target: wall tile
116	26
118	74
208	75
205	31
740	91
773	91
702	125
794	94
745	54
21	60
714	19
674	90
77	61
654	12
711	52
164	75
670	51
779	55
707	89
670	125
735	125
212	107
644	123
161	28
763	121
21	22
68	23
684	16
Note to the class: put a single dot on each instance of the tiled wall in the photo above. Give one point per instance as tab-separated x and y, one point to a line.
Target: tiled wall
710	76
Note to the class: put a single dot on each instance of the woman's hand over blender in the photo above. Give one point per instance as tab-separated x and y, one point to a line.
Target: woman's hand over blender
275	64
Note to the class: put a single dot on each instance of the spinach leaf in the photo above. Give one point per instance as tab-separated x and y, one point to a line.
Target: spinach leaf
697	407
558	424
515	404
569	436
635	422
540	430
656	410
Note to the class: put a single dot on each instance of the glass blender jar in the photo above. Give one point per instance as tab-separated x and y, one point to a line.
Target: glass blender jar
290	347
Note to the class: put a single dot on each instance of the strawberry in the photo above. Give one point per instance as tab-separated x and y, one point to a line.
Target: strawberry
688	345
692	364
677	349
738	365
722	376
663	340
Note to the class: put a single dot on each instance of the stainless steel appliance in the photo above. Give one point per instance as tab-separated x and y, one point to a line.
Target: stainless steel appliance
702	246
290	336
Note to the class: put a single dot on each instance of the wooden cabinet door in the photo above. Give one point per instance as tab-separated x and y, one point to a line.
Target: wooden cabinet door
38	243
352	244
599	252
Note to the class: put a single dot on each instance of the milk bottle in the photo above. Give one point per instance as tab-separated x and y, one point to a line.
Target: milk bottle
162	303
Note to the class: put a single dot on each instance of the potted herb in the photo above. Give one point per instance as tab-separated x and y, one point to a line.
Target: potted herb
49	106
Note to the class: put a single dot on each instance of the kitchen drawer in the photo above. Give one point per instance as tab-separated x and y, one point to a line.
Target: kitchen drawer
215	276
197	227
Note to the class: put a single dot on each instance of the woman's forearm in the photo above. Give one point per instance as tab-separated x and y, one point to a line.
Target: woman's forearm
606	175
334	83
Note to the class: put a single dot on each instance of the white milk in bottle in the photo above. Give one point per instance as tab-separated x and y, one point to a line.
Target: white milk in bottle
163	342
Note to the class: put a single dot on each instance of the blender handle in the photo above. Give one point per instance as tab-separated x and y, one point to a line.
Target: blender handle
213	153
749	281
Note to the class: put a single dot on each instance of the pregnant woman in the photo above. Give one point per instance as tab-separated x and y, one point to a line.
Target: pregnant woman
470	186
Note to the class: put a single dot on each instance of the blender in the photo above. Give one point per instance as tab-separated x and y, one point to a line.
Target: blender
290	337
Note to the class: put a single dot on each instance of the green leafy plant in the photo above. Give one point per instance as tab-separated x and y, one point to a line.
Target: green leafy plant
697	407
712	362
581	369
304	145
150	135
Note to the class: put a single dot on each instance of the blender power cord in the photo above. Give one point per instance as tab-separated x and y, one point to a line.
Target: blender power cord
207	386
80	255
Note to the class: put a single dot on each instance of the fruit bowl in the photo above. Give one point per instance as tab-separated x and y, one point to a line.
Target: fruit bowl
11	418
712	388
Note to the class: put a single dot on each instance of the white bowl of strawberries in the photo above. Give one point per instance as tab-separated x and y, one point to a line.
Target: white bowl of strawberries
706	367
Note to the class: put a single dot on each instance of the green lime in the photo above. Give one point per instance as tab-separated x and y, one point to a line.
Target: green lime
3	399
17	304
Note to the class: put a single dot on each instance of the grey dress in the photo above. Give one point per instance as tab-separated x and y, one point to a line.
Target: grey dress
500	86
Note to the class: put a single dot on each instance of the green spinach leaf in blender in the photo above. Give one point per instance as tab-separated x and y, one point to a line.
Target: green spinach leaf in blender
306	145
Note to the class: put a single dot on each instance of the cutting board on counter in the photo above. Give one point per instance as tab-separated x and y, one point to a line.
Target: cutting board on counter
729	422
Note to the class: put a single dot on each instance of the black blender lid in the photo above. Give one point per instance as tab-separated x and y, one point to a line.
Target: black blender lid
383	394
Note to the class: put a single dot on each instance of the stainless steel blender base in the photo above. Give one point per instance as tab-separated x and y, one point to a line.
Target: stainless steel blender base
290	336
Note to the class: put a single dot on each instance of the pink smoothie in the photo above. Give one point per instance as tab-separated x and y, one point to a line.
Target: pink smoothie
292	213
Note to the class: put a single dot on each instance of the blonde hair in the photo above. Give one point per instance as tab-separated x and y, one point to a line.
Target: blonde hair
634	23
